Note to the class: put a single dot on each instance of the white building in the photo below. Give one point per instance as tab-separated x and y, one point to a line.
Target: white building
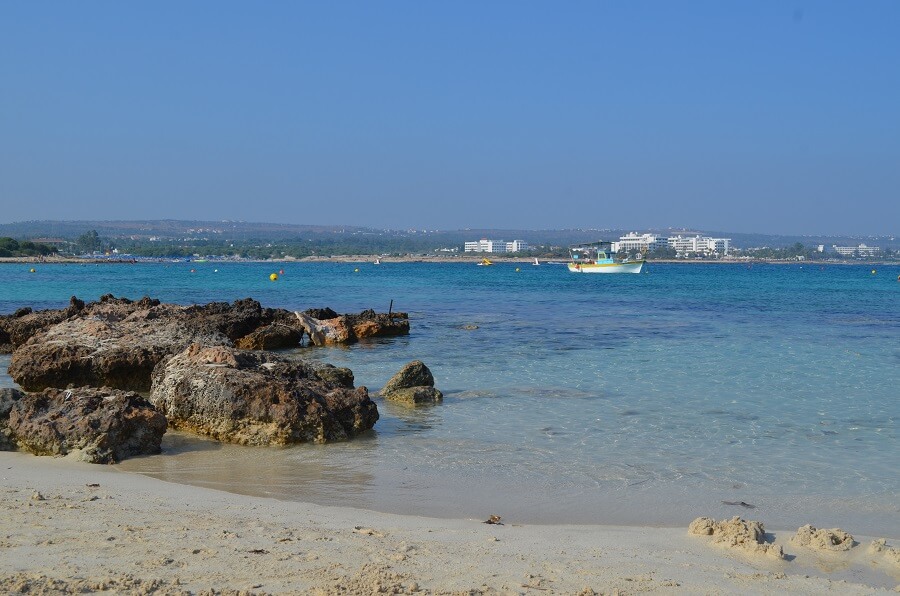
495	246
643	243
862	250
701	245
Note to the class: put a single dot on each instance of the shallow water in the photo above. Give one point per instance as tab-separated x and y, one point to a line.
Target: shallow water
627	399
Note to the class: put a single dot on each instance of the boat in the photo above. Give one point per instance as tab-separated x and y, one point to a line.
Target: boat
484	262
377	261
598	257
536	262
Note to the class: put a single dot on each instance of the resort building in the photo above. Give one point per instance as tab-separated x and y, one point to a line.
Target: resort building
495	246
701	245
862	250
643	243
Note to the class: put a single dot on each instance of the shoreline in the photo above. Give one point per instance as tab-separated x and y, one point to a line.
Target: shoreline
368	259
67	525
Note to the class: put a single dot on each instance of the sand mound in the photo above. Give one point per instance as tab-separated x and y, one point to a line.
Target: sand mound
736	533
834	540
891	553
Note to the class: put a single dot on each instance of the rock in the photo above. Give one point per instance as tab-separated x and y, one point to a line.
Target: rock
414	374
257	398
413	384
234	320
322	314
415	396
326	327
325	332
368	323
117	342
8	398
17	328
834	539
273	336
736	533
99	425
341	377
97	352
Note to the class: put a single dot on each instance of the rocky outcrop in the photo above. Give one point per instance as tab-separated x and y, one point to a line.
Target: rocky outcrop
834	540
736	533
17	328
413	384
274	336
97	352
258	398
325	327
117	342
97	425
8	398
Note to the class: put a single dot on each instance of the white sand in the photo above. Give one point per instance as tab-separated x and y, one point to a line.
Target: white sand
135	534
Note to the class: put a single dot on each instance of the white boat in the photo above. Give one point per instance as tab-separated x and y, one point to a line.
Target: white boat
377	261
536	262
598	258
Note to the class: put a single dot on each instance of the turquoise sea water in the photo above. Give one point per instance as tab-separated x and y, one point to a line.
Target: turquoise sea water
632	399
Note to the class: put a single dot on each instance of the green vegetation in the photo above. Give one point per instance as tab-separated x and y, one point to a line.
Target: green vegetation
10	247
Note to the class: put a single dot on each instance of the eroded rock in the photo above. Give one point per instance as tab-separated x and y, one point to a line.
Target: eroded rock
736	533
274	336
117	342
8	398
97	425
325	327
413	384
257	398
17	328
98	352
835	539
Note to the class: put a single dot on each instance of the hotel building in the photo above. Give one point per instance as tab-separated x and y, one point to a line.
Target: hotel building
495	246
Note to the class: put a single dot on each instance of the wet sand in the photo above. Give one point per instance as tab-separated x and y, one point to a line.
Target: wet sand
71	526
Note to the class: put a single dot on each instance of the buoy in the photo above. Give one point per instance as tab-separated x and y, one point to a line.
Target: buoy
32	270
281	272
517	268
215	270
192	270
273	277
356	270
873	272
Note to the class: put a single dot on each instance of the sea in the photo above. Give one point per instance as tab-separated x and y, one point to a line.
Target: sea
766	391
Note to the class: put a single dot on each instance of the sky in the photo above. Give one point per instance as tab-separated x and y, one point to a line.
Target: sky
756	116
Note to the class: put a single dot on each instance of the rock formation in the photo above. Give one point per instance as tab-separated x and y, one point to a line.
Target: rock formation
736	533
97	352
834	539
117	342
17	328
326	327
258	398
98	425
8	399
413	384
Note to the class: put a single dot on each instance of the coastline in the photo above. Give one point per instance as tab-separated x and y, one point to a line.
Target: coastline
72	526
359	259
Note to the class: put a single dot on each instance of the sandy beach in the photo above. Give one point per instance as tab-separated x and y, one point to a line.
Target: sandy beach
68	526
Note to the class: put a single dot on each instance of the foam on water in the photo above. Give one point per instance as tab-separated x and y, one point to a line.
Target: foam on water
610	399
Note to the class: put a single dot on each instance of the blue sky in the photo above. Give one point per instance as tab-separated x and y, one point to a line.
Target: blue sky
734	116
